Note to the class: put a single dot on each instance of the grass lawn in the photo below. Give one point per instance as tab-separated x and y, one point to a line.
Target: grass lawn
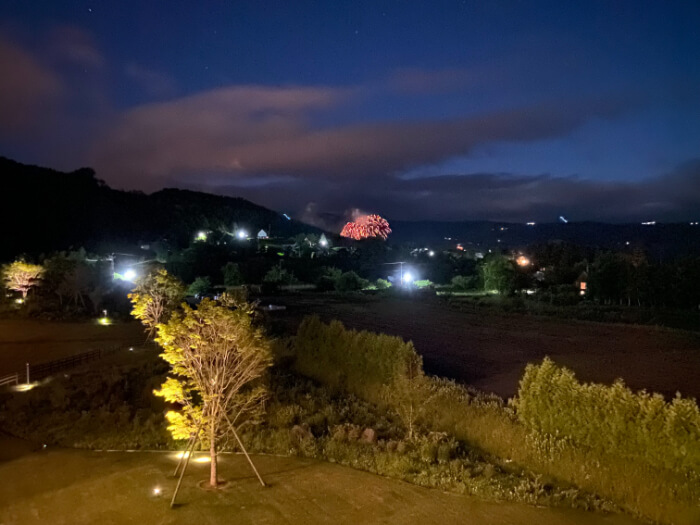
23	340
80	487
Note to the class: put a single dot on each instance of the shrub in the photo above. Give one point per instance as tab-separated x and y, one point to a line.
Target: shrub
360	363
612	419
350	282
382	284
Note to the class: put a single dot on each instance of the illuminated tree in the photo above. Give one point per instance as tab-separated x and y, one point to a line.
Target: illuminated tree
498	274
217	357
21	277
155	297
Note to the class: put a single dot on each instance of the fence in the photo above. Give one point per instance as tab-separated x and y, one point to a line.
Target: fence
43	370
12	379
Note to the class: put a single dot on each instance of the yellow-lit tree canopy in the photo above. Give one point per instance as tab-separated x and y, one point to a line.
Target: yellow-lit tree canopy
21	277
155	297
217	357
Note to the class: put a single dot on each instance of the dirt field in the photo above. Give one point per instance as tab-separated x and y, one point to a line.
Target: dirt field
490	351
35	342
117	488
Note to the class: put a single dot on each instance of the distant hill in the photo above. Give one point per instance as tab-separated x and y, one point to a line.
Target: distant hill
42	210
659	240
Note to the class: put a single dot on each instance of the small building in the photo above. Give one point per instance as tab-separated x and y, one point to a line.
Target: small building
262	234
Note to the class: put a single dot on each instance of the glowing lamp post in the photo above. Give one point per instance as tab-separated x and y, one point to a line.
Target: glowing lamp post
407	278
242	234
130	275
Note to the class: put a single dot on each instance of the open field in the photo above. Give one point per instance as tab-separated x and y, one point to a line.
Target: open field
489	351
117	487
35	342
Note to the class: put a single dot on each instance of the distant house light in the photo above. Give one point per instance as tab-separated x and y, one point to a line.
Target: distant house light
530	223
262	234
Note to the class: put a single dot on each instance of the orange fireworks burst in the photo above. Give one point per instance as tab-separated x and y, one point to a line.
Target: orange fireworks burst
366	226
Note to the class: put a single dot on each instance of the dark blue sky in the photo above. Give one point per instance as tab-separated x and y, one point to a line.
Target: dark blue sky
447	110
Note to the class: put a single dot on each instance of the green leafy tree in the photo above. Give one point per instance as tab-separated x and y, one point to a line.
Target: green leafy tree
217	357
279	275
349	282
200	286
155	297
232	274
498	274
21	277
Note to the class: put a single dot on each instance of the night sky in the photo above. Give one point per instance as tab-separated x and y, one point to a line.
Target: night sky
415	110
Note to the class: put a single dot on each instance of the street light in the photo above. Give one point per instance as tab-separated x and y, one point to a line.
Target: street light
407	278
130	275
242	234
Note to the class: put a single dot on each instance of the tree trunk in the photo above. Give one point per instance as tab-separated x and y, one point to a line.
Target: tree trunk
212	453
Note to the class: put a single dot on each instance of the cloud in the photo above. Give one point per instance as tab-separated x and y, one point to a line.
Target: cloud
425	81
674	196
28	91
205	132
249	130
74	46
154	83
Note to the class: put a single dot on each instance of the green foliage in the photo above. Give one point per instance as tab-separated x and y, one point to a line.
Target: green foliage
199	287
350	282
423	283
278	275
613	419
498	274
462	283
232	274
382	284
361	363
108	407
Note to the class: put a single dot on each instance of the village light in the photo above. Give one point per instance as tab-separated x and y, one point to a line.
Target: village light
323	242
407	278
242	234
431	253
523	261
130	275
201	236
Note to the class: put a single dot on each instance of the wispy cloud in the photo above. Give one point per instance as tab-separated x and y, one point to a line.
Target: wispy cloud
154	83
29	90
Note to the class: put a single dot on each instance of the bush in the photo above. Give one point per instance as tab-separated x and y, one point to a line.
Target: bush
382	284
365	364
612	419
462	283
350	282
199	287
360	363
